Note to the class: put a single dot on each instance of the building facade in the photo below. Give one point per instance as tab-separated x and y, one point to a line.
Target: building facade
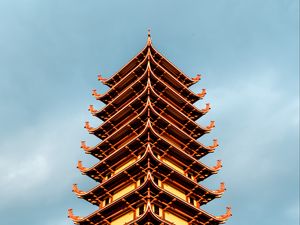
149	168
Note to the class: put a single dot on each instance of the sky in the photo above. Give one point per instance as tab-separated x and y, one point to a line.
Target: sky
51	52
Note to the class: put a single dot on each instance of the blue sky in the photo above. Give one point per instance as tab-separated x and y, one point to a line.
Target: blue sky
52	51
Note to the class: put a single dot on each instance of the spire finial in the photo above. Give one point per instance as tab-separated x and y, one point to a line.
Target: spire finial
149	37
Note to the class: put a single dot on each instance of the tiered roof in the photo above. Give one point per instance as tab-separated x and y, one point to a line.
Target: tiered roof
149	120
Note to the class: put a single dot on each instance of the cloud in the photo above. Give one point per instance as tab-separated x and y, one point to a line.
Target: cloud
24	176
257	125
39	168
51	53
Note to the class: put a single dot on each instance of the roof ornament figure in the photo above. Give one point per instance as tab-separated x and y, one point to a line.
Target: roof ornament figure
227	215
92	109
81	167
102	79
95	94
84	146
215	144
88	126
202	94
206	109
221	190
77	191
211	125
218	166
197	78
72	216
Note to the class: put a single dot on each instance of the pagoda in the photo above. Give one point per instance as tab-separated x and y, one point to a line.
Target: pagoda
149	168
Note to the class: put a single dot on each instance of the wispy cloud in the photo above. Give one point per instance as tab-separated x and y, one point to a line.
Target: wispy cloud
50	55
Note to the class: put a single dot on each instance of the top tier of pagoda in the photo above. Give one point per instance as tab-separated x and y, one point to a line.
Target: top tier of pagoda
149	169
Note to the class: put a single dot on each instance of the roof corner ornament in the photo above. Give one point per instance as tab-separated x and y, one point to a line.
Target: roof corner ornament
197	78
84	146
215	144
92	109
149	41
206	109
88	126
102	79
81	167
218	166
77	191
72	216
227	215
95	94
211	125
202	94
221	189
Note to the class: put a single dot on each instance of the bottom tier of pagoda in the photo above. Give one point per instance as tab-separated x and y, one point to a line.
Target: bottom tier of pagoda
149	203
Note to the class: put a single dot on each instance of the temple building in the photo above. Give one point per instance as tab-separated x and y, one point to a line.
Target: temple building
149	169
